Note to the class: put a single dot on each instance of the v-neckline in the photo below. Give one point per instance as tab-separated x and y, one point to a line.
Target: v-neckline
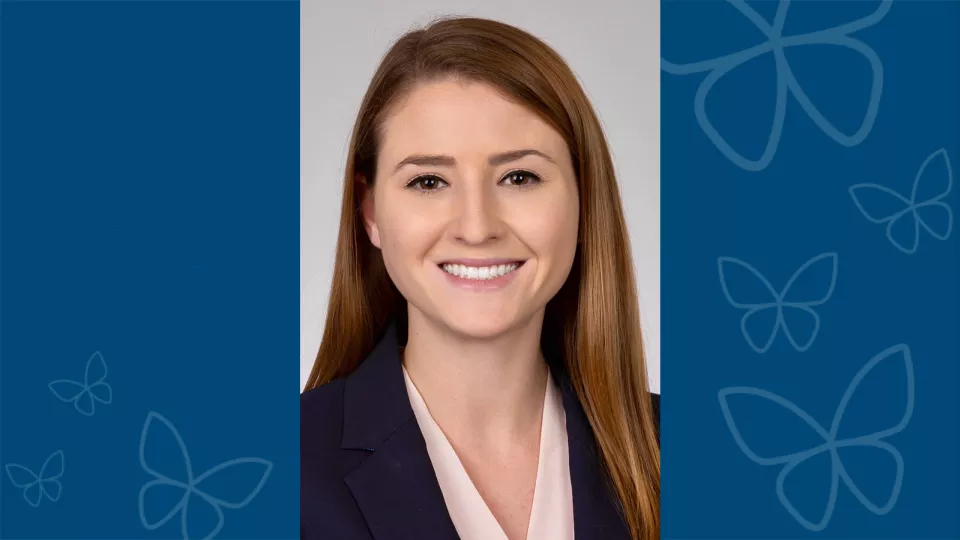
470	512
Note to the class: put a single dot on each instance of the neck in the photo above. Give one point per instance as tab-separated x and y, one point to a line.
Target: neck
485	390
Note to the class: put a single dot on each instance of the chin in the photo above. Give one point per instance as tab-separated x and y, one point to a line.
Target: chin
478	326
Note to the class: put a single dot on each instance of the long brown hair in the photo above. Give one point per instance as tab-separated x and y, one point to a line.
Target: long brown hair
593	323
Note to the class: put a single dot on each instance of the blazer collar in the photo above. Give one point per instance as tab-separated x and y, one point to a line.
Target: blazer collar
375	398
396	487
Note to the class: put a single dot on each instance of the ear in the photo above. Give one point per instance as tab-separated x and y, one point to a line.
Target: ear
368	209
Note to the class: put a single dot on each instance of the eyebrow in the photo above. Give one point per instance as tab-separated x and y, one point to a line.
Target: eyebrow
447	161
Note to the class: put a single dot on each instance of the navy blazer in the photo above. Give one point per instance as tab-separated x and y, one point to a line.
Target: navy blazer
365	473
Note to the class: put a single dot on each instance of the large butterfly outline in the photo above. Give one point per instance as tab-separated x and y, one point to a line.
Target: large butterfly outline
831	442
94	387
775	311
37	486
786	82
905	216
193	495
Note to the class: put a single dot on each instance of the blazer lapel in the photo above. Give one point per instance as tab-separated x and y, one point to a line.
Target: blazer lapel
396	487
595	514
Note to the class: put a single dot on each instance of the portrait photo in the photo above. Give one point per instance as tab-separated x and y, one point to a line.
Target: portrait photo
480	270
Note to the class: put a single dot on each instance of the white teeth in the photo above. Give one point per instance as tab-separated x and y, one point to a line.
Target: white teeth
479	273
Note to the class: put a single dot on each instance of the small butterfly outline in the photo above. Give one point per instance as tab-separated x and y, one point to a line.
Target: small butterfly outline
909	213
85	395
831	443
188	485
37	486
786	81
778	301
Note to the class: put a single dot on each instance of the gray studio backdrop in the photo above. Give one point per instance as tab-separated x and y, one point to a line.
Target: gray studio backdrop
612	45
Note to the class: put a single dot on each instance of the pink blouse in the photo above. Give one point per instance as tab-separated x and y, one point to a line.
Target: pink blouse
551	517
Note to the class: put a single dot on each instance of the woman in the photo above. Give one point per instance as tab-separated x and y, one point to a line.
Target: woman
481	373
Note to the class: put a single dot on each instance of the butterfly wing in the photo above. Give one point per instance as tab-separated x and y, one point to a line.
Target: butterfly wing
839	36
879	204
735	271
903	232
33	494
84	403
50	474
787	412
52	489
160	439
744	287
708	20
101	392
933	183
936	218
25	479
166	495
53	466
898	358
810	466
801	325
708	123
759	327
877	450
813	283
934	179
21	476
96	370
233	484
864	52
66	391
201	518
715	24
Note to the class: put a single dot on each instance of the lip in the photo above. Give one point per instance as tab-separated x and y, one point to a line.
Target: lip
480	285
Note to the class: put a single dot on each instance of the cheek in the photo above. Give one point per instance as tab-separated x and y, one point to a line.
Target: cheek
405	234
560	240
549	227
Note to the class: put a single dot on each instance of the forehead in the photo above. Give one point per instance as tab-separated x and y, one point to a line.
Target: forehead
463	119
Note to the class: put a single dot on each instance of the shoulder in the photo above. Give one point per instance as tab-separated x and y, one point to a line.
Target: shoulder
325	499
321	430
323	463
321	420
321	424
322	400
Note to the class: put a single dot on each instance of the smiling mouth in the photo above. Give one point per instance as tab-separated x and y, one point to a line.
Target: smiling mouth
480	273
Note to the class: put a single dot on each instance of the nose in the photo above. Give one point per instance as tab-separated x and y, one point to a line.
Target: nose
479	218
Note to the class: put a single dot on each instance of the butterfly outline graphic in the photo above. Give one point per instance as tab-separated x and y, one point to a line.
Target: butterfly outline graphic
911	208
830	443
191	484
37	486
787	83
94	387
779	302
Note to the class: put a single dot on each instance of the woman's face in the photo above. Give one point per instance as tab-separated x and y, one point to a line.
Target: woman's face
475	208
